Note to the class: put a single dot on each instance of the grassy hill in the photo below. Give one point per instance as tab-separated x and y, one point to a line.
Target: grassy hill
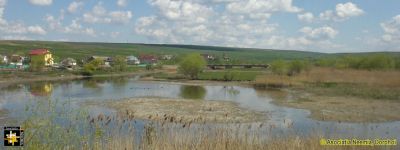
81	50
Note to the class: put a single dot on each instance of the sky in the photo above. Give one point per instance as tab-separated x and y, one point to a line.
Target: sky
328	26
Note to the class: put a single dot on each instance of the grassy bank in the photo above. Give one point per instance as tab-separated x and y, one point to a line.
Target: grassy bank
234	75
339	82
222	75
18	76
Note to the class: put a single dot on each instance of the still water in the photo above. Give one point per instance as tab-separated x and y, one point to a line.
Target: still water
14	98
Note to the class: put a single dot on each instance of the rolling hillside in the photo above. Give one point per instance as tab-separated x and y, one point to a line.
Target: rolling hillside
80	50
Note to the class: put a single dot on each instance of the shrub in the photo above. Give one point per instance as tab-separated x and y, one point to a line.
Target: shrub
369	62
279	67
119	63
91	67
37	64
192	65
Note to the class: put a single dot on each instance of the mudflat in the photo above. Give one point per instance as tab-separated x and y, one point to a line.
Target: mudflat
185	110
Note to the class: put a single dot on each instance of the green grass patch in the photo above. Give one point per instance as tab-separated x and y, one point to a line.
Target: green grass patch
229	75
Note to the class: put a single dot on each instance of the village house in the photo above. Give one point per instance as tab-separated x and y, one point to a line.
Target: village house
208	57
148	59
167	57
42	55
16	60
226	58
132	60
3	59
68	63
106	60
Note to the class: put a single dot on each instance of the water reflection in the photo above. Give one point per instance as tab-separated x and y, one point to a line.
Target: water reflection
114	89
119	83
43	89
93	83
12	88
192	92
231	90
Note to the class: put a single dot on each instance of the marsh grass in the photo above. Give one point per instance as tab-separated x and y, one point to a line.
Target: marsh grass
339	82
52	126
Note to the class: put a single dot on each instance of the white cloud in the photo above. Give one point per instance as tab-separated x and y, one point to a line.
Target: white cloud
342	12
182	10
75	6
391	30
36	30
20	28
14	37
122	3
322	33
258	6
11	30
41	2
100	15
306	17
75	27
348	10
2	5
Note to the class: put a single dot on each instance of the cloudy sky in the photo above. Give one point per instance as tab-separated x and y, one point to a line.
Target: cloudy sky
312	25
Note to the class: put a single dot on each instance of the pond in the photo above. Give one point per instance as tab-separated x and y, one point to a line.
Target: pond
14	98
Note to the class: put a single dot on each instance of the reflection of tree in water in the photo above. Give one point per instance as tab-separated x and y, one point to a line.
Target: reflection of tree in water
192	92
118	82
12	88
41	89
93	83
230	90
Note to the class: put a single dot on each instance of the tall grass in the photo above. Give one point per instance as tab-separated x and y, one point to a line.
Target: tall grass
48	126
340	82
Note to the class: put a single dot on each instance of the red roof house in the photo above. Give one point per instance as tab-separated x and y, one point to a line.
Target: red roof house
148	59
39	52
43	55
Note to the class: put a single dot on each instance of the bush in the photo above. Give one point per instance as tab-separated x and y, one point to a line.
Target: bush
91	67
119	63
36	64
290	68
192	65
279	67
369	62
88	69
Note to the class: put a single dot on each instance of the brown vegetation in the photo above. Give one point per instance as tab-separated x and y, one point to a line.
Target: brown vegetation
179	110
389	79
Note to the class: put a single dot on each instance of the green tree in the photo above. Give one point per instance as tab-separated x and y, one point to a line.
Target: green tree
377	62
92	66
279	67
36	64
119	63
192	65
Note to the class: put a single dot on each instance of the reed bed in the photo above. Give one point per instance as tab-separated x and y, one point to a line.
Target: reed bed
339	82
58	127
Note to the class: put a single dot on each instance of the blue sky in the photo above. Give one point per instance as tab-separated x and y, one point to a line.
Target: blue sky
311	25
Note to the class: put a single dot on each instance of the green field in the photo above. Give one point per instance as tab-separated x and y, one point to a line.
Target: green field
81	50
